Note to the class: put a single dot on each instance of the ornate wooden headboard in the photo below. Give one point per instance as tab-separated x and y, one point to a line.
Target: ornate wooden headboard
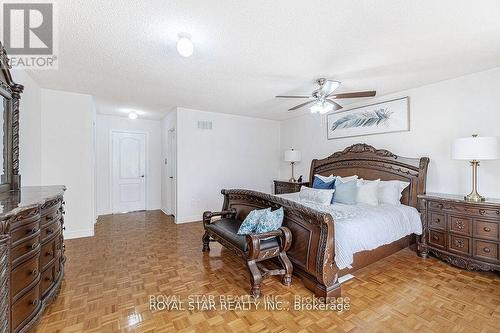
370	163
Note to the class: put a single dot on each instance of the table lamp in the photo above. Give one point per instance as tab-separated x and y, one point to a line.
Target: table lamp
292	156
475	149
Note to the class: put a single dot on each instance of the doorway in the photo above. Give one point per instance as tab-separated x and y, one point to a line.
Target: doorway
128	171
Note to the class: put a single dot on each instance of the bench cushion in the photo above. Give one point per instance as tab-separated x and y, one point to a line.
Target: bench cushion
228	228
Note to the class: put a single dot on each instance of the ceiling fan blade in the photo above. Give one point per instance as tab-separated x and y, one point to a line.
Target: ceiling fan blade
301	105
281	96
354	94
336	106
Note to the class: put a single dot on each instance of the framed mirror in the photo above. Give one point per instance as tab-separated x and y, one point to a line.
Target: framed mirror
10	93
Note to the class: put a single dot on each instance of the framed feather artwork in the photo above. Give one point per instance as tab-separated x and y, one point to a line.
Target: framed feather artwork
385	117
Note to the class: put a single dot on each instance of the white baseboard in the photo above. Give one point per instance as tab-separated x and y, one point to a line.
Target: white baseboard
345	278
78	234
188	219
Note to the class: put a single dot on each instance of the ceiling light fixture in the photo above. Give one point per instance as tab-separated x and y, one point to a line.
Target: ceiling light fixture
185	46
133	115
321	107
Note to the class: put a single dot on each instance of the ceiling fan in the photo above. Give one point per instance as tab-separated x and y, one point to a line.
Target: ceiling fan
322	99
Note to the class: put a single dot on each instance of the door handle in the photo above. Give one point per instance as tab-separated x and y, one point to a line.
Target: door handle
142	176
171	177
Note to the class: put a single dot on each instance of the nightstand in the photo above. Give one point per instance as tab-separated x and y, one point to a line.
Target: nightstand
462	233
283	186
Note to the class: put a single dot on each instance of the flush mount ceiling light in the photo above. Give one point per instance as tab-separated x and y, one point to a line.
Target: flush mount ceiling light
185	46
133	115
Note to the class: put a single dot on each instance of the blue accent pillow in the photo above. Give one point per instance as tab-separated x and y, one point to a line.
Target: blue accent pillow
322	185
250	223
270	221
345	192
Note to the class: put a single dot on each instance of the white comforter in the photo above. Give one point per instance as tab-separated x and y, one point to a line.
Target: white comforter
363	227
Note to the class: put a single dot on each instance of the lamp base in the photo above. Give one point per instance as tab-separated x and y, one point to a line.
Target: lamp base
474	197
292	180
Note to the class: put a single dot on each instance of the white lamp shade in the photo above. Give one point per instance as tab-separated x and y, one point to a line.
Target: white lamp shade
292	156
476	148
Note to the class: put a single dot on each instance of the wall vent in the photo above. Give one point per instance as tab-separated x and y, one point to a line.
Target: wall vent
204	124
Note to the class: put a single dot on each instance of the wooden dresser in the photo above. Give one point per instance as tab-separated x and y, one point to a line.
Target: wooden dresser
462	233
282	186
32	218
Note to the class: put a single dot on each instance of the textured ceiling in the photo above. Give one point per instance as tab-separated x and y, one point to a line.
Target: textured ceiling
123	52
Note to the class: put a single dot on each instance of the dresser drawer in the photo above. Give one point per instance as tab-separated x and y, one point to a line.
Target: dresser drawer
52	217
468	209
48	253
24	307
48	279
24	274
50	230
50	208
486	229
483	249
460	244
460	225
437	221
437	238
25	249
19	234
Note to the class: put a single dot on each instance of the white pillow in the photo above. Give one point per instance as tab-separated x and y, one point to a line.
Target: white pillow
390	192
319	196
325	179
346	179
368	192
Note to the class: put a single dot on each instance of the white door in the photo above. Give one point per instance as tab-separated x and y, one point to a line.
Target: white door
128	171
171	167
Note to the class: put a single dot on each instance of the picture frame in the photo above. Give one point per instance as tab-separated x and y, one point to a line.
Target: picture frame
379	118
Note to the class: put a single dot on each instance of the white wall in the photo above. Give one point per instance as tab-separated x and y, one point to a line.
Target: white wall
30	130
439	113
169	122
239	152
104	125
67	155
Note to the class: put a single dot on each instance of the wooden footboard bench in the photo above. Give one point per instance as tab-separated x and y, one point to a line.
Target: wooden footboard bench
254	248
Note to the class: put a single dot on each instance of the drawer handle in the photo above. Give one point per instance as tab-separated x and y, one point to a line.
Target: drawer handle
486	229
64	228
435	237
440	206
482	211
35	302
34	272
50	231
48	279
460	225
498	212
486	250
49	254
32	246
438	220
32	231
459	243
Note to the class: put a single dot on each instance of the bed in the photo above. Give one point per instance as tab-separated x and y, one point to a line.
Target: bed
313	249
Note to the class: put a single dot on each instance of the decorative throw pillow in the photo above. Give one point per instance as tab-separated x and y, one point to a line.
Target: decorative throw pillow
323	182
345	192
390	192
326	179
346	179
368	192
271	221
252	220
319	196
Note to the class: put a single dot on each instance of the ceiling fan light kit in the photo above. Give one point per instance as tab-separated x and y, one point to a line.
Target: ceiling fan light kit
322	98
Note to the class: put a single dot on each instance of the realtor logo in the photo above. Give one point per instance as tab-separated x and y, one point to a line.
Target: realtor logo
28	34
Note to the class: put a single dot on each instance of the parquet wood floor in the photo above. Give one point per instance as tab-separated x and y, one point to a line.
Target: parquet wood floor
109	278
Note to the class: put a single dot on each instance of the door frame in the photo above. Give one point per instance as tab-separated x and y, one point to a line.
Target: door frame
172	205
111	183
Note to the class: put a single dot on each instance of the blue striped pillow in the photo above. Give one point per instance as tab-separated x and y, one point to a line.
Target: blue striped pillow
322	185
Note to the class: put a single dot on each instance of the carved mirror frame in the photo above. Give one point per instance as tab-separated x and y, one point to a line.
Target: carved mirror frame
10	90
